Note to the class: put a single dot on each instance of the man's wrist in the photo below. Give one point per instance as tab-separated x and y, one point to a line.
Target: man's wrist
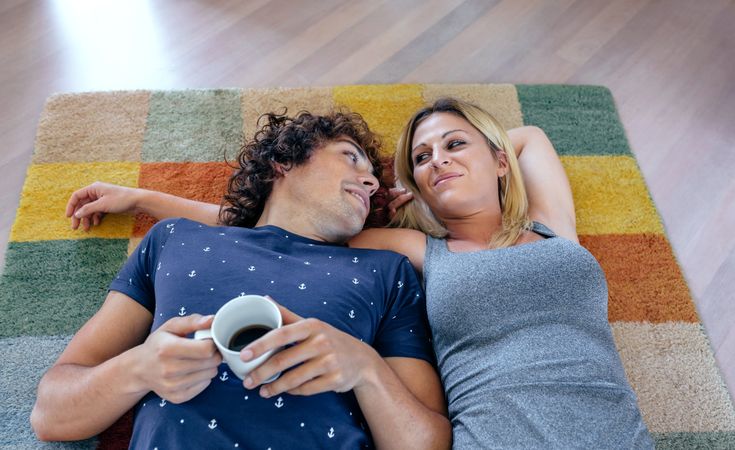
143	200
373	372
133	380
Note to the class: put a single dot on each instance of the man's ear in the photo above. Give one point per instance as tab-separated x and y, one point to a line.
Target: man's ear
281	169
503	166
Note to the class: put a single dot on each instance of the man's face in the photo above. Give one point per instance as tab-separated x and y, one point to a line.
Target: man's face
332	190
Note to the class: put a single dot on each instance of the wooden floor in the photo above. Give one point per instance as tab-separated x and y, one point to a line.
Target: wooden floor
670	65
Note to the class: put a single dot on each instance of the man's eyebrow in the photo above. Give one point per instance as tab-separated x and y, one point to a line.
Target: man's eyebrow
360	151
443	136
357	147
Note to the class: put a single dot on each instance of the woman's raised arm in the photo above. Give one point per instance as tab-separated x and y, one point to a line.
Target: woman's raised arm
549	193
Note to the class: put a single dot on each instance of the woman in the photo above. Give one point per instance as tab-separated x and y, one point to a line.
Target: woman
518	309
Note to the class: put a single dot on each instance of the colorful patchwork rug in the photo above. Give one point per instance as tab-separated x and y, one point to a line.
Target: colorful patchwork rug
55	278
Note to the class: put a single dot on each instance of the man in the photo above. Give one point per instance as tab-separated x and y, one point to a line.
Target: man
356	372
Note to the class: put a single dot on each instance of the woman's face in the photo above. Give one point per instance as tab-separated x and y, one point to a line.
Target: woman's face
454	167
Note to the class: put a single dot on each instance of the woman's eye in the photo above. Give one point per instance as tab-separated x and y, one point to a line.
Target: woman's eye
420	158
455	143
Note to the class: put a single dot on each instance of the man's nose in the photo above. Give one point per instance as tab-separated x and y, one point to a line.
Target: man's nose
370	182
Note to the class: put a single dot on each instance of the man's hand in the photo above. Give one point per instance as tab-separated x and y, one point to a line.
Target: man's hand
330	359
175	367
88	205
398	197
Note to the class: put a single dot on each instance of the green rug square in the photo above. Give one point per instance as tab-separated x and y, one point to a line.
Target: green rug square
193	126
579	120
53	287
713	440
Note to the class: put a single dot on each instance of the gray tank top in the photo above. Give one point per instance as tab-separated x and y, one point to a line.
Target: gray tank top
525	350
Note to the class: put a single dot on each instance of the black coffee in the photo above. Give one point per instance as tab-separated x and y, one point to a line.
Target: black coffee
246	335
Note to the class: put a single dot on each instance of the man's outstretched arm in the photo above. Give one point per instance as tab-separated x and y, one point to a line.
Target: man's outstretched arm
110	365
88	205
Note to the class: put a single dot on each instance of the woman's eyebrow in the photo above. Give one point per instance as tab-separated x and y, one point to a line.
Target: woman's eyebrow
443	136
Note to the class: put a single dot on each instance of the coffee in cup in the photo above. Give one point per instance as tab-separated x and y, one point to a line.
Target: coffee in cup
238	323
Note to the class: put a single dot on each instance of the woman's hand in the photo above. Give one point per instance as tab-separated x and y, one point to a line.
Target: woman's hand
88	205
398	197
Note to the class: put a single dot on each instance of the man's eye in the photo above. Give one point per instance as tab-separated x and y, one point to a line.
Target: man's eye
352	155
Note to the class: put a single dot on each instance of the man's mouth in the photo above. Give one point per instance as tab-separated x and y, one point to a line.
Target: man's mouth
362	197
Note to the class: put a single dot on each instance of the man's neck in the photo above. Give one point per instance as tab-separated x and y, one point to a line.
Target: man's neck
283	217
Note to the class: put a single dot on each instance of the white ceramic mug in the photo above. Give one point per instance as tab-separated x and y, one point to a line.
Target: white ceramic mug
239	313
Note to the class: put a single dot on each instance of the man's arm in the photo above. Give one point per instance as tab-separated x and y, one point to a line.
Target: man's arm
109	366
401	398
88	205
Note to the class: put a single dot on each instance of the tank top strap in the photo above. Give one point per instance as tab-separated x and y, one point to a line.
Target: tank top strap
542	229
435	247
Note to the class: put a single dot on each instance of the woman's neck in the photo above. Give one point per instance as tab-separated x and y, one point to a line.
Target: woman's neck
478	228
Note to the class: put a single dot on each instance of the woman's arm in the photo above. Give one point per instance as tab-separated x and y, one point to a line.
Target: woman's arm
549	193
411	243
88	205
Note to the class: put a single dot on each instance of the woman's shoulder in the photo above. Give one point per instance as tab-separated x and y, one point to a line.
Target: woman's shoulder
411	243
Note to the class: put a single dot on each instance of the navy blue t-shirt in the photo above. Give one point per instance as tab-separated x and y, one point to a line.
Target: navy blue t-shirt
182	267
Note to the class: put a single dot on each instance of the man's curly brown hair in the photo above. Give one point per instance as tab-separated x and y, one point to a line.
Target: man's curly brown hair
290	142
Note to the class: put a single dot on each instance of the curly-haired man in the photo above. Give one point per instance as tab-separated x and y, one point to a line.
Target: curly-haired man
356	373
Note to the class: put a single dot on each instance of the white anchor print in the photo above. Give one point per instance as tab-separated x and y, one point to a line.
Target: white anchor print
170	225
251	268
163	403
192	274
159	266
302	286
182	311
352	314
212	424
206	249
400	284
224	376
331	433
242	294
143	251
279	402
355	281
307	263
221	234
355	260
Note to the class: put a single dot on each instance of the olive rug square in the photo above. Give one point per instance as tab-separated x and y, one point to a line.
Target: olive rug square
56	278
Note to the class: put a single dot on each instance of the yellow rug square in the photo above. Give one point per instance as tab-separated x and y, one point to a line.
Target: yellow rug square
610	196
47	189
385	107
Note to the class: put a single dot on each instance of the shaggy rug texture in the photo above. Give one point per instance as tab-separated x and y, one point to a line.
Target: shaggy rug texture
55	278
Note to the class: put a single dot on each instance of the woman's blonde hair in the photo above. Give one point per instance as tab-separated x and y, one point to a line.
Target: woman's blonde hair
511	191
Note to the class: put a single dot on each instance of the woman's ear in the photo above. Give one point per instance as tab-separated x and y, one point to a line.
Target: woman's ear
503	166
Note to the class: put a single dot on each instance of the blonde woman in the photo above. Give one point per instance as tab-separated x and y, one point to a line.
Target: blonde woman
517	308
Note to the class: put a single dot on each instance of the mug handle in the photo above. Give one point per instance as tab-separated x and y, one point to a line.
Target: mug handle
203	334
